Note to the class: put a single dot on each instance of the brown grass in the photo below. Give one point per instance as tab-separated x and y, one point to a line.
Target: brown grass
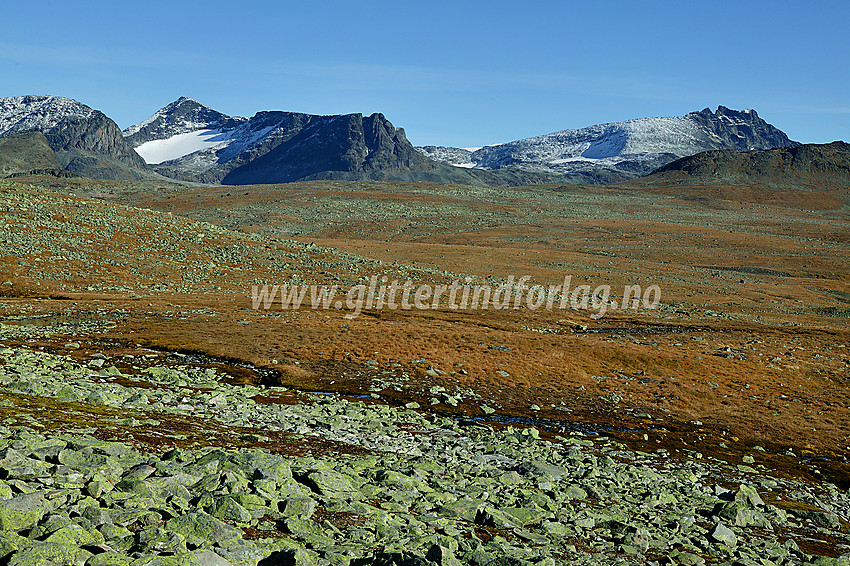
772	267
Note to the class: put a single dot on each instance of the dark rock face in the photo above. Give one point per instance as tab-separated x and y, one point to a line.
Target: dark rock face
741	130
311	145
97	134
387	145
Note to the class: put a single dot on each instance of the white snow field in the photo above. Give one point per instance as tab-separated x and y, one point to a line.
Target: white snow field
180	145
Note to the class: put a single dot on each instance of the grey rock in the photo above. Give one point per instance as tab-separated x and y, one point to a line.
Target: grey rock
202	529
50	554
442	555
22	512
208	558
748	494
822	518
723	534
228	509
300	507
541	469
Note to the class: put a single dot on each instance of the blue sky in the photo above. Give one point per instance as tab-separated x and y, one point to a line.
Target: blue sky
451	73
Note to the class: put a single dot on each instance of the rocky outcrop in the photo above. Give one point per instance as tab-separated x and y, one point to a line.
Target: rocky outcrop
740	130
96	134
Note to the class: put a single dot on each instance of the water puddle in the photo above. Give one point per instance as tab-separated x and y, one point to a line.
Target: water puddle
68	319
549	425
658	330
261	376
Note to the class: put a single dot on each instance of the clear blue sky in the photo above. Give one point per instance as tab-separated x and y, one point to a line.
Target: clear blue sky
451	73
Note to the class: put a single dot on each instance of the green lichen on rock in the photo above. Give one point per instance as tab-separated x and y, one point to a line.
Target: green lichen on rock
22	512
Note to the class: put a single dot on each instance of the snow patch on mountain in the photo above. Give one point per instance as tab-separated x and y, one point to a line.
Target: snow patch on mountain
244	137
627	140
183	116
175	147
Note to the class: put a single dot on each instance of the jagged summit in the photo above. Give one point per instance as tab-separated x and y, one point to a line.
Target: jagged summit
630	148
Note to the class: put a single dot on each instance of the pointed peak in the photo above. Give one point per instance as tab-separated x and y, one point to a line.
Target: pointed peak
183	115
184	100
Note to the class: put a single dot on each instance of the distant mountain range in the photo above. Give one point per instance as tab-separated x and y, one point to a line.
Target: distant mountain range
189	141
621	150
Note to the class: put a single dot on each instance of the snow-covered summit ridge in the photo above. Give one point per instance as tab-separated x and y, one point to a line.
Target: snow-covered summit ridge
38	113
639	145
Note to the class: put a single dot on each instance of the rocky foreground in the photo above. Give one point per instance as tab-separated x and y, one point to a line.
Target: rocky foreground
164	462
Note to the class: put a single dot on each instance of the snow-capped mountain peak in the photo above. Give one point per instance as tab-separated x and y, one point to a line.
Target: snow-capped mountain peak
38	113
182	116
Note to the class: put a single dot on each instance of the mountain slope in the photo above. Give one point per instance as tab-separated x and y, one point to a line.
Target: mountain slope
26	152
316	145
84	140
181	116
623	150
807	166
803	177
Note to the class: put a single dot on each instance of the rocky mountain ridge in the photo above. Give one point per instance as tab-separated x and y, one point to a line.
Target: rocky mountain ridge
190	141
